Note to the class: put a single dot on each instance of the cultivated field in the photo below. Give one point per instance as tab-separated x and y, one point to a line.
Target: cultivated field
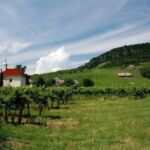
112	115
87	123
103	78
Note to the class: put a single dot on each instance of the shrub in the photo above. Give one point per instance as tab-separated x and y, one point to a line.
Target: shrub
50	83
88	82
40	82
145	71
69	82
139	93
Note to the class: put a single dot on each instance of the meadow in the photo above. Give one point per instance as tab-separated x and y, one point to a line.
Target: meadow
87	122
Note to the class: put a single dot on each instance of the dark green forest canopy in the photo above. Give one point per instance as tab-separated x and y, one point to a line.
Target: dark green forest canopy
132	54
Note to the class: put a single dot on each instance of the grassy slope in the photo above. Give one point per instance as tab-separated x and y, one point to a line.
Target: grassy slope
89	123
103	77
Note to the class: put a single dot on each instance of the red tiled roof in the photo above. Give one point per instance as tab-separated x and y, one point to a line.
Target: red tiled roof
12	72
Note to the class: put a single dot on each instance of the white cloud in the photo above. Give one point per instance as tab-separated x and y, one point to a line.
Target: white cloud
13	47
3	47
30	69
110	40
125	35
16	47
54	61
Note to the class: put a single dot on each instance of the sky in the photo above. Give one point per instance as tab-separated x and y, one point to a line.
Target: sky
51	35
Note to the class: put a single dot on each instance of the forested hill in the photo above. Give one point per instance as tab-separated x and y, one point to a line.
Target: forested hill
125	55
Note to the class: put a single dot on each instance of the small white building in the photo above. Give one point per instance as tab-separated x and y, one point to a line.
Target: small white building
59	82
125	74
13	77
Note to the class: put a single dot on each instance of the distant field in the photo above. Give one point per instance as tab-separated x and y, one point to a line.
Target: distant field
88	123
103	77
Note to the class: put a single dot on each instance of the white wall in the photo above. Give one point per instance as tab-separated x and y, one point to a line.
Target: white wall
16	81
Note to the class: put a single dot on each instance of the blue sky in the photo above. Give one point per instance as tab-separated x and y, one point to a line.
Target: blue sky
49	35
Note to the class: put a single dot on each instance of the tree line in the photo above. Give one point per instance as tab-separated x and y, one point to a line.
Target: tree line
40	82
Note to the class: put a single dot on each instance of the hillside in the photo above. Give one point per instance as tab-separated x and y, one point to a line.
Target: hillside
107	77
103	78
133	54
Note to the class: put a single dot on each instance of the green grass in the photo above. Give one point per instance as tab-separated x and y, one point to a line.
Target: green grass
104	78
88	123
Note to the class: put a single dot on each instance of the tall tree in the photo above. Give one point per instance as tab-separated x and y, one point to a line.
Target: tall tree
21	67
1	79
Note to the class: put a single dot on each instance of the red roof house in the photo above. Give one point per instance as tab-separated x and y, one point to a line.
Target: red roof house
13	78
13	72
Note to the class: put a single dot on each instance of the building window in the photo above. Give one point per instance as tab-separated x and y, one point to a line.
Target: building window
10	80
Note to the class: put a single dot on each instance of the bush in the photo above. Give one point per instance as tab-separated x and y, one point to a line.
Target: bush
50	83
145	71
69	82
88	82
40	82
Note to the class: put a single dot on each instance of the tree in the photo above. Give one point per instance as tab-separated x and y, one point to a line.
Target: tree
21	67
40	82
88	82
50	83
132	54
27	79
1	79
69	82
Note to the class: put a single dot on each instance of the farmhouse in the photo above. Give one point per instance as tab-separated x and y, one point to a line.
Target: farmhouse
125	74
59	82
13	77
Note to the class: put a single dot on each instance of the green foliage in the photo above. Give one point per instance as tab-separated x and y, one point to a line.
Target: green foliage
27	79
30	104
40	82
133	54
20	100
69	82
21	67
1	80
88	123
103	78
3	139
134	92
3	135
88	82
145	71
50	83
